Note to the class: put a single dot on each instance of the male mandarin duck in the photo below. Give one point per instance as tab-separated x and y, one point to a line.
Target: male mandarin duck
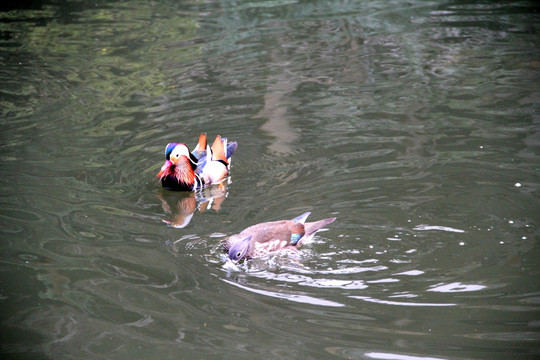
205	165
272	237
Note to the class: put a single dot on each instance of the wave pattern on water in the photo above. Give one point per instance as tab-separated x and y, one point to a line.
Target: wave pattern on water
414	123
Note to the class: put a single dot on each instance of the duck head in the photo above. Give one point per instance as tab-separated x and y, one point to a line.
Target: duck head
239	249
178	171
175	151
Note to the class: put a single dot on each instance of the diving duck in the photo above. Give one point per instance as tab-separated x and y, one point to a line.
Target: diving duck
185	171
272	237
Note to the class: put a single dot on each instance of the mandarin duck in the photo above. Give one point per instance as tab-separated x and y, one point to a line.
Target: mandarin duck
272	237
205	165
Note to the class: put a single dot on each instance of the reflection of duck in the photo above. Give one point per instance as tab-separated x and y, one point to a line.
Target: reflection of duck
185	171
270	237
181	206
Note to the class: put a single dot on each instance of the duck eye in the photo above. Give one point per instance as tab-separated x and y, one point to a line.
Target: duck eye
238	254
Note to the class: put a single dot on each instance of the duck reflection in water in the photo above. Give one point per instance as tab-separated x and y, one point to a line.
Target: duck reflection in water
182	205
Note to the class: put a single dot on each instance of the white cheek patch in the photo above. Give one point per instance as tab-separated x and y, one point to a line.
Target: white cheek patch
180	150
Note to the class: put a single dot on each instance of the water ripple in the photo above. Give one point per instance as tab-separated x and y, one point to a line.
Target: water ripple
401	303
289	296
415	123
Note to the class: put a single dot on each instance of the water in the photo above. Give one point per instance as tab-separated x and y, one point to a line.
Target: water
414	123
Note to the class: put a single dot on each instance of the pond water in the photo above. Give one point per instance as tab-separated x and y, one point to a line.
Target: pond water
415	123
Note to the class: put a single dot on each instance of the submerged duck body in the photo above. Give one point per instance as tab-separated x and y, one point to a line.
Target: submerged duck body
186	171
272	237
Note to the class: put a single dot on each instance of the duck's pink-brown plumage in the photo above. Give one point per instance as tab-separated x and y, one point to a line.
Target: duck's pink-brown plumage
274	236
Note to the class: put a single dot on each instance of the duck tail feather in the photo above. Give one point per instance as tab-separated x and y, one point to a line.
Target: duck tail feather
313	227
